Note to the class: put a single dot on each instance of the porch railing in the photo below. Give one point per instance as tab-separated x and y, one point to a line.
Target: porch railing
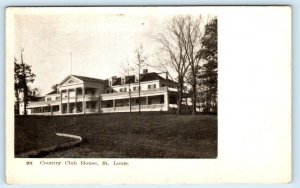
152	107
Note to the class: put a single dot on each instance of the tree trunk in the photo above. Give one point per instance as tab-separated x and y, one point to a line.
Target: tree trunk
25	99
17	109
179	103
129	92
194	95
180	96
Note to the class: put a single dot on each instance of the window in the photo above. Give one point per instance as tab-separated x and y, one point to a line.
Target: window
56	98
149	101
110	83
123	81
93	105
137	101
49	99
173	99
93	92
162	100
123	89
152	86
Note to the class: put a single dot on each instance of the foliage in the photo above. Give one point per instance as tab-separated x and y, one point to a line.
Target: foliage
22	77
55	87
208	73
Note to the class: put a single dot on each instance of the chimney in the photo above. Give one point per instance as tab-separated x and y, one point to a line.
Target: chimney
145	71
136	78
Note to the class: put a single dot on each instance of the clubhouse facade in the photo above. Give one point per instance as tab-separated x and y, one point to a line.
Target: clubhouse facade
83	95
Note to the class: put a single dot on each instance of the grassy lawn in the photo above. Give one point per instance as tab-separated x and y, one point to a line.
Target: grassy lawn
149	135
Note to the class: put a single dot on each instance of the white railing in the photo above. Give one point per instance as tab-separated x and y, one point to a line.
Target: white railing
173	105
41	113
107	109
152	107
90	110
134	92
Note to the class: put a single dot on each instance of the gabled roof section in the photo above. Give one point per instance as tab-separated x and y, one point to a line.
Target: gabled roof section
89	79
81	79
68	78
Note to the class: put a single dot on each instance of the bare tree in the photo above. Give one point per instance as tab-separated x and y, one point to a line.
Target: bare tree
191	39
140	63
175	57
127	70
181	44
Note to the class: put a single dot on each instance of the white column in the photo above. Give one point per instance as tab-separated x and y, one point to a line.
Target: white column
68	104
147	101
99	103
60	104
83	100
166	95
75	100
114	104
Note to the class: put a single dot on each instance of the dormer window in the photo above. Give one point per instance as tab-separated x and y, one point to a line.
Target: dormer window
123	80
110	83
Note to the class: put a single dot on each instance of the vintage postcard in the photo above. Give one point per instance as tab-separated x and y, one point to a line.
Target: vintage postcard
148	95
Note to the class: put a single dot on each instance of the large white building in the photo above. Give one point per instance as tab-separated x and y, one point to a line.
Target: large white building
80	95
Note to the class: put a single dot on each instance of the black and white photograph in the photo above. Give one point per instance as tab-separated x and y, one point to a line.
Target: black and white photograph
109	85
148	95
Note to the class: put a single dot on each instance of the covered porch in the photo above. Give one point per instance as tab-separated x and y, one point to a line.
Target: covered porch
134	104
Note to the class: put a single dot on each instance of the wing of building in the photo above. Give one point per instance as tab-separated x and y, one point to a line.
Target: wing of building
80	95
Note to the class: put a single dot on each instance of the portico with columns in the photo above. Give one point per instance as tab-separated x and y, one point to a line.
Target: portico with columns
78	96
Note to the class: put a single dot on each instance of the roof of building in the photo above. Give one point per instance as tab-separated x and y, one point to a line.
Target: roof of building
89	79
143	78
36	98
129	79
52	93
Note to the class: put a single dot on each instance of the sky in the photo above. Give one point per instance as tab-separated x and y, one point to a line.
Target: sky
101	41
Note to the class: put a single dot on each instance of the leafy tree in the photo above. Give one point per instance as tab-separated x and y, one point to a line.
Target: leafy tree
33	93
17	72
23	76
208	73
55	87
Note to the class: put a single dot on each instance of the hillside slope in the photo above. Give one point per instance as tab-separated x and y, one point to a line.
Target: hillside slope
130	135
